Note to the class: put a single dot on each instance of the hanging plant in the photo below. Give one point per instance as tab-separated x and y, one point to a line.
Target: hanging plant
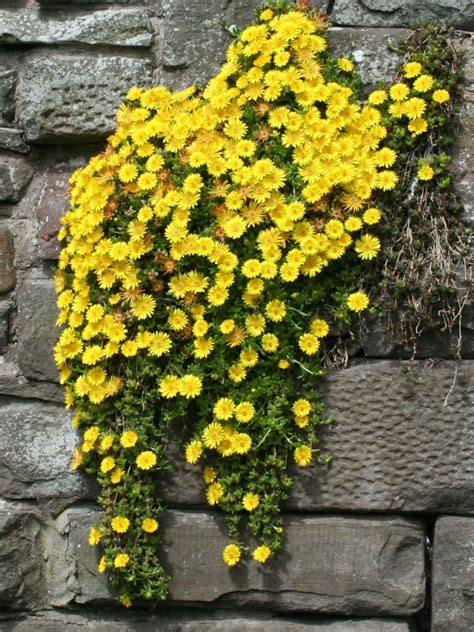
210	250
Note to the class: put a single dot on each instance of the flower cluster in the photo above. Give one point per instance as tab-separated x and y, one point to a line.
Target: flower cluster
193	283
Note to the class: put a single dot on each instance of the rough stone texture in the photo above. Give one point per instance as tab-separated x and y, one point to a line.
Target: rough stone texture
75	97
118	27
463	155
37	331
15	173
12	139
369	48
453	575
402	441
15	384
331	564
21	584
194	42
53	203
224	621
7	89
36	444
7	258
5	307
458	13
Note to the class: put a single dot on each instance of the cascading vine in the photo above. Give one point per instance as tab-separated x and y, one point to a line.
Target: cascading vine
209	251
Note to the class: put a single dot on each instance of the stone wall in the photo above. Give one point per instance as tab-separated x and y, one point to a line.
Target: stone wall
383	540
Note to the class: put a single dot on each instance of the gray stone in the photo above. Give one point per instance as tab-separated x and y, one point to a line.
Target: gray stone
15	173
21	583
7	90
37	331
7	261
459	13
36	445
14	384
53	203
377	342
74	97
195	42
453	575
12	140
5	307
25	234
224	621
117	27
369	48
330	564
402	440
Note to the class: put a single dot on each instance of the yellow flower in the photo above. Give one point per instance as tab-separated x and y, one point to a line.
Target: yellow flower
209	475
121	560
423	83
128	439
399	91
125	601
357	301
261	554
244	412
425	172
415	107
319	328
190	386
237	373
417	126
150	525
146	460
214	493
270	343
412	69
116	475
213	434
345	64
302	455
120	524
94	536
266	15
231	554
441	96
377	97
193	451
248	357
250	501
283	364
301	407
224	408
102	565
227	326
169	386
241	443
372	216
275	310
107	464
309	344
302	421
367	247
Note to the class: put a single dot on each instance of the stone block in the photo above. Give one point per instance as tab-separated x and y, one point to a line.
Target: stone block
113	27
453	575
459	13
12	140
74	98
15	173
194	42
37	331
36	445
21	582
402	440
7	260
53	203
196	621
14	384
7	100
330	564
369	46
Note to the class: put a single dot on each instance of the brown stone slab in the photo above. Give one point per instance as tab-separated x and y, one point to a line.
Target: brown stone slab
52	205
7	261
